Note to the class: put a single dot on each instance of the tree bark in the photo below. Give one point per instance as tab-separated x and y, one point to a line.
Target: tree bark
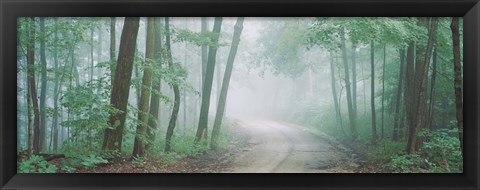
420	91
32	86
397	117
429	124
153	119
207	86
226	81
354	81
112	49
204	50
351	115
43	87
176	91
372	94
143	115
334	91
55	90
457	67
121	86
383	89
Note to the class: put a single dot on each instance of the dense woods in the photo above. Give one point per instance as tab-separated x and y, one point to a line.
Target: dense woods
93	92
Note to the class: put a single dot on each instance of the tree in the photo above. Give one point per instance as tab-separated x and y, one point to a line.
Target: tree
204	50
153	119
55	89
43	87
395	134
423	56
458	78
121	85
32	84
429	124
383	88
112	48
226	81
207	85
354	81
372	94
143	115
334	91
176	91
351	115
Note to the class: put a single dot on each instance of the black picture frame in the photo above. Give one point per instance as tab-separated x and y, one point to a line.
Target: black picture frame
11	9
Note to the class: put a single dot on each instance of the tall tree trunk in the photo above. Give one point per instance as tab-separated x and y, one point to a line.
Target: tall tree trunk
372	94
204	50
32	86
354	81
121	86
55	90
351	115
364	89
113	62
457	67
207	86
43	88
383	89
397	117
143	115
226	81
409	89
334	90
429	124
91	53
419	103
154	119
176	91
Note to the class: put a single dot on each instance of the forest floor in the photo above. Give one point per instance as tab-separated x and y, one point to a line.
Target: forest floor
257	146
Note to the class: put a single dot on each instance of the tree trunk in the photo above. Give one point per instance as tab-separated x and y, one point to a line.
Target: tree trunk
121	86
207	86
429	124
176	91
91	53
55	90
354	81
204	50
383	89
351	115
334	90
372	94
43	88
112	49
143	115
32	86
397	117
414	141
457	67
226	81
153	119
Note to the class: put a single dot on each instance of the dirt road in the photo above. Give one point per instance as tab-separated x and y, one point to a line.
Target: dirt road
283	148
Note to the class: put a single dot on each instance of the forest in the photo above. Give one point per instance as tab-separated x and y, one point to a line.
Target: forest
239	95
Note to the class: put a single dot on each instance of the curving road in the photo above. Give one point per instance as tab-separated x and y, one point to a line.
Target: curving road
277	147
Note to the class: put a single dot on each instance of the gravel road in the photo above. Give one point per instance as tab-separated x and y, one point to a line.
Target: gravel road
277	147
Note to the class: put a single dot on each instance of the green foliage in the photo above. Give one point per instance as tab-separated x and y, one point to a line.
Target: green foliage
440	153
92	160
407	164
197	38
138	161
68	169
90	104
383	151
36	164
